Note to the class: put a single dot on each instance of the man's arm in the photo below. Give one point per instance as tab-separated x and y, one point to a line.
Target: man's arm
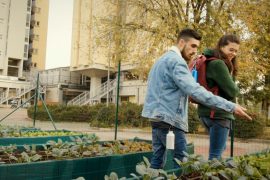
184	80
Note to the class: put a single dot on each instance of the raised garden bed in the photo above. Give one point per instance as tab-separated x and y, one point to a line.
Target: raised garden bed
255	166
25	135
111	156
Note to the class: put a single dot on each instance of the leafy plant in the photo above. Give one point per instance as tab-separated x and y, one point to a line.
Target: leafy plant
244	167
195	168
250	129
21	131
78	148
113	176
145	172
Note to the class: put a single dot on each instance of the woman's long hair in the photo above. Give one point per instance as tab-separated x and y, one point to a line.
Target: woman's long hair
224	41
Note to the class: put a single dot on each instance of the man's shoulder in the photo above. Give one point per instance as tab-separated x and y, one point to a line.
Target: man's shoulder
173	54
174	58
169	57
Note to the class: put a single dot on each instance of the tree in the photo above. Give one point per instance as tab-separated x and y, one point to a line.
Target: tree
255	15
151	26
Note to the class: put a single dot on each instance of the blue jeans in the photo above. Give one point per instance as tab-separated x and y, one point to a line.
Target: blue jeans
218	137
159	146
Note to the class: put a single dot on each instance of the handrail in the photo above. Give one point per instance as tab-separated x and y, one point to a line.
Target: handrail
92	96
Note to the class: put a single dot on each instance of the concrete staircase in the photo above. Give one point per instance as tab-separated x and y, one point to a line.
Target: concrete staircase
4	96
94	96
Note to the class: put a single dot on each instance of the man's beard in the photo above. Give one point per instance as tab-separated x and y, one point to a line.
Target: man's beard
184	55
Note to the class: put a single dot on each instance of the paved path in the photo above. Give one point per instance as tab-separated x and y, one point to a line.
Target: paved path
201	141
19	118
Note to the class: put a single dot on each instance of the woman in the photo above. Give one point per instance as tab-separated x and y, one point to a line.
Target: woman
220	73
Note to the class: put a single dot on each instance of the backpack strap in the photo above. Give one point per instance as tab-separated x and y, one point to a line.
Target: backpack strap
200	63
215	92
214	89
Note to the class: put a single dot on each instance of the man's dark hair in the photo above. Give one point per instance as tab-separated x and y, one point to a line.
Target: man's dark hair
188	33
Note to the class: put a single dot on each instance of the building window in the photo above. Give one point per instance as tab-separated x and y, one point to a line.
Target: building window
1	20
131	76
124	99
28	16
29	5
37	23
1	36
25	48
26	35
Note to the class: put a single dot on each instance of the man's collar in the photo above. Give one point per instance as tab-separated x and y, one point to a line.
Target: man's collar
176	49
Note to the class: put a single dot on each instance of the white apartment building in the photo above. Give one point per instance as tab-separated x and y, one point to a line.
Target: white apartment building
60	85
95	62
15	19
23	29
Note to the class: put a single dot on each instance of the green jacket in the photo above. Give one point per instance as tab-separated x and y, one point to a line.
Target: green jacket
217	74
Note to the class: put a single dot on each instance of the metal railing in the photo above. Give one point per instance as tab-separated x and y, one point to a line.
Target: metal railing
31	77
4	97
100	92
79	98
93	96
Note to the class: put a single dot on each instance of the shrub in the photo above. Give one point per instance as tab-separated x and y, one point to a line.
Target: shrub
193	119
62	113
249	129
105	116
100	115
130	115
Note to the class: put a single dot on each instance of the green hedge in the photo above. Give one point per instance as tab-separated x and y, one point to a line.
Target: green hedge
193	119
102	116
130	116
250	129
243	127
98	115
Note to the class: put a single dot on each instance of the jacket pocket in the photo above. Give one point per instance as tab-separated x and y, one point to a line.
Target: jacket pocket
180	109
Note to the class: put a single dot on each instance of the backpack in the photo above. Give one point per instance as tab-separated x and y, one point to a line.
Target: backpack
198	70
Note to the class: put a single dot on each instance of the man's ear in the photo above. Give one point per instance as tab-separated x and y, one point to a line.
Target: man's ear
181	43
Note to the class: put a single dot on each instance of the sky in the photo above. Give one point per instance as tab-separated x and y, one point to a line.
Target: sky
59	33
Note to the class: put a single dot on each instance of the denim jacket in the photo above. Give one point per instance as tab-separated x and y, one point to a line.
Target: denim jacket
169	85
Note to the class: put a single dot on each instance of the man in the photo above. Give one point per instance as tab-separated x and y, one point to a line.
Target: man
166	104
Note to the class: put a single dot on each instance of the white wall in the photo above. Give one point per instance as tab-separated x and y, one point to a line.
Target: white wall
135	88
13	30
4	4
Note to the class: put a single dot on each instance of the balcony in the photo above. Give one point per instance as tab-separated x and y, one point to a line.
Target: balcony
32	23
35	10
34	4
30	50
33	36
